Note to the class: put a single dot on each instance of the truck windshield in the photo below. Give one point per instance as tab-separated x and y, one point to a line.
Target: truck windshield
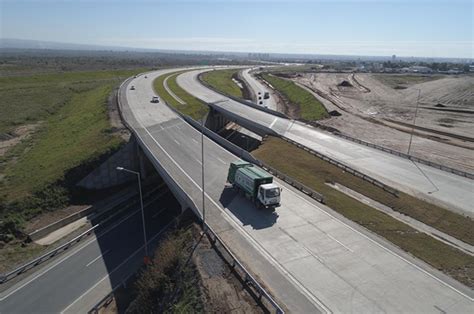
273	192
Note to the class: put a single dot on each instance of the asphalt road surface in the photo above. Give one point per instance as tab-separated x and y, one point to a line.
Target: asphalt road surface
444	188
310	258
86	273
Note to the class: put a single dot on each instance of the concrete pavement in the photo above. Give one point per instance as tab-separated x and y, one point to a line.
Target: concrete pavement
434	185
258	87
309	257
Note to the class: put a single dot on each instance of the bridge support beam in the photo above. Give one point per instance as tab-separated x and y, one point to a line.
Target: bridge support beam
215	121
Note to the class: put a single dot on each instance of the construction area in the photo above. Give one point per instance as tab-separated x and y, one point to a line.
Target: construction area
385	109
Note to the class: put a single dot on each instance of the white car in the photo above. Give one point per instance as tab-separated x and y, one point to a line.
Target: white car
155	99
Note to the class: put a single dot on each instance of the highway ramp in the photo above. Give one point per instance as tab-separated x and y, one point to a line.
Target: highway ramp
310	258
257	87
434	185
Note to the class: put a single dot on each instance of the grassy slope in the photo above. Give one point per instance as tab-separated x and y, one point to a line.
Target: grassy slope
193	107
76	133
27	99
314	172
222	80
310	107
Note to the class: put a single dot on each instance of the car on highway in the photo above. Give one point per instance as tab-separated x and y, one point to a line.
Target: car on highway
260	102
155	99
132	88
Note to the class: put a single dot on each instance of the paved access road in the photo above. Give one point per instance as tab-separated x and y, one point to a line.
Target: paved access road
432	184
310	258
257	87
81	277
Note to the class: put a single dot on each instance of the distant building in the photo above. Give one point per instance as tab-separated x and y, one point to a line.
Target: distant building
394	57
417	69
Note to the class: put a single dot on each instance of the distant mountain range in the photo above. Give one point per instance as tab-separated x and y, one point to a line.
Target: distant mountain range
14	43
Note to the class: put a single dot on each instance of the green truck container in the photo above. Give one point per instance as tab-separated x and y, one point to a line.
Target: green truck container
256	183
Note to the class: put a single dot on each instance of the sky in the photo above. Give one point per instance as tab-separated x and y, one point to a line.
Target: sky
420	28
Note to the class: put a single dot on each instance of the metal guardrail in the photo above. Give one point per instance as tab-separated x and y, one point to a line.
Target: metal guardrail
352	171
18	271
299	186
249	279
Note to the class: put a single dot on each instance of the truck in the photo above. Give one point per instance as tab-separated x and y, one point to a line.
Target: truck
255	183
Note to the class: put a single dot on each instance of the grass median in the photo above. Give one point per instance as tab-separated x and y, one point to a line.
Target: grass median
315	173
194	107
309	108
222	81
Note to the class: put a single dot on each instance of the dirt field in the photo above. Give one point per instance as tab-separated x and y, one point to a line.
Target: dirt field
380	108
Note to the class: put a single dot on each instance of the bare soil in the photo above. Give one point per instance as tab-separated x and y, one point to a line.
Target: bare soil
7	141
380	108
222	291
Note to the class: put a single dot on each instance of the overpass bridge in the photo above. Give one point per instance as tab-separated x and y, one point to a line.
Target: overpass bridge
310	258
434	185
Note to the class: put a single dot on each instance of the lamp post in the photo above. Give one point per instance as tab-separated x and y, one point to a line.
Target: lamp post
414	121
202	177
141	205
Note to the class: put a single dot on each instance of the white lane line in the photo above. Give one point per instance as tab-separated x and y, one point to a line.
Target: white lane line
176	142
222	161
195	141
95	259
68	256
120	265
330	236
199	162
273	123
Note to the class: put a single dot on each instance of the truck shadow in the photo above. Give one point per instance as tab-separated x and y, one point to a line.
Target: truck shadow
246	211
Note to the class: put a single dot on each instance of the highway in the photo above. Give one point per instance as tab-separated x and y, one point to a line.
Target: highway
309	257
431	184
86	273
258	87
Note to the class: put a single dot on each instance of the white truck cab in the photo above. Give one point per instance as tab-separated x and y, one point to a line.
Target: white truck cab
269	194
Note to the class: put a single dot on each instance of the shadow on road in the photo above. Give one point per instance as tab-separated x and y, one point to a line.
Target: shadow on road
246	211
119	251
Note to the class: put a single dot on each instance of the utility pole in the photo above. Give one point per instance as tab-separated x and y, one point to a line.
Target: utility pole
202	177
414	121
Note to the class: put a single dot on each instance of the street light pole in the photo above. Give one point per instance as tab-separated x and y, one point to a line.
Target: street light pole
414	121
202	177
141	205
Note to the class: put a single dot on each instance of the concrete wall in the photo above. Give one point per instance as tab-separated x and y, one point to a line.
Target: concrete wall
106	175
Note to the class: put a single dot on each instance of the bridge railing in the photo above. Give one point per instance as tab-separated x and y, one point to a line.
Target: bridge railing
262	294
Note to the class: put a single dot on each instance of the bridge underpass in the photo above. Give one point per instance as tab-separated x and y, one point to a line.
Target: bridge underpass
309	257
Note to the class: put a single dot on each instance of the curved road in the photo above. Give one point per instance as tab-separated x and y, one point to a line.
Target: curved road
309	257
450	190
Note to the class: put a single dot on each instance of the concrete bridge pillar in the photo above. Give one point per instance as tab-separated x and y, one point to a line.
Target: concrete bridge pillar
215	121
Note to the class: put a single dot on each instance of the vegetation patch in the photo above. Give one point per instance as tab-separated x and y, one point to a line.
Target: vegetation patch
309	107
74	135
315	173
170	284
222	80
403	81
194	107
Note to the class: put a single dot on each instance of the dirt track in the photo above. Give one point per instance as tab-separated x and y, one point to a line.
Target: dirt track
380	109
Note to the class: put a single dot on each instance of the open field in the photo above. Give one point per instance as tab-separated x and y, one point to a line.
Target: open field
380	108
222	80
193	107
315	173
308	107
66	130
